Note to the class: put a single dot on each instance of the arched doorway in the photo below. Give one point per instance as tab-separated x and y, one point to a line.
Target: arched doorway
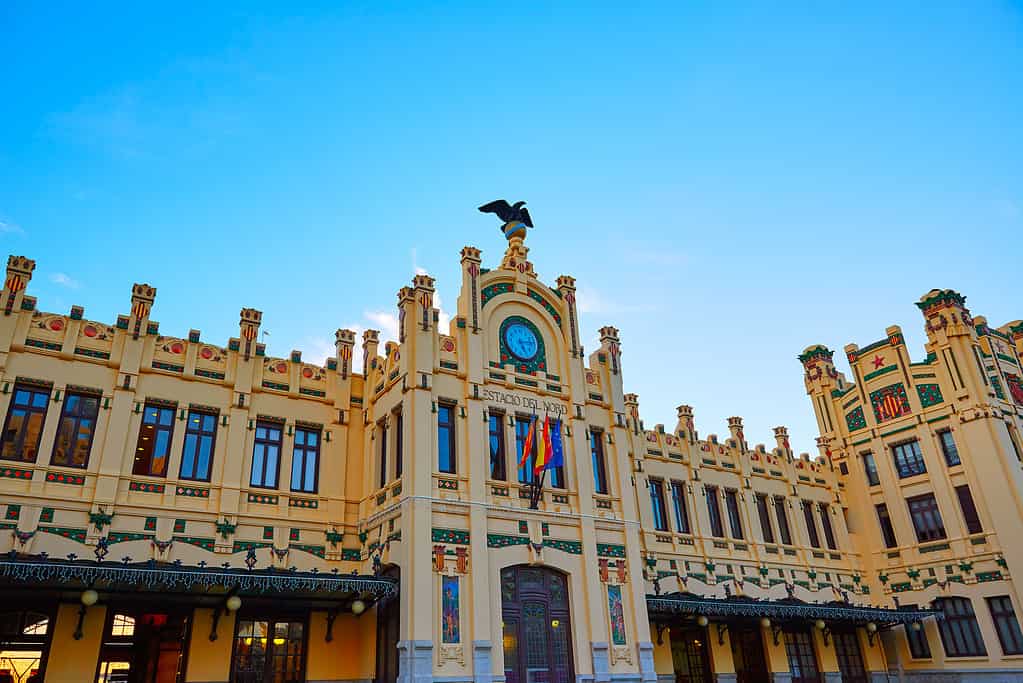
537	630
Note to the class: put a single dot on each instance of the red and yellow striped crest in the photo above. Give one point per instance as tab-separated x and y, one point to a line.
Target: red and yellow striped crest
249	332
14	283
138	309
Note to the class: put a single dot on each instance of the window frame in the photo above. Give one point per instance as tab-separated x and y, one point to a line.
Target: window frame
919	644
829	532
267	442
384	475
781	512
524	475
948	448
908	464
884	521
717	528
157	429
655	487
1005	614
200	433
734	514
28	409
302	452
680	508
598	458
764	514
76	420
870	469
447	463
971	516
961	622
923	517
498	470
811	525
399	442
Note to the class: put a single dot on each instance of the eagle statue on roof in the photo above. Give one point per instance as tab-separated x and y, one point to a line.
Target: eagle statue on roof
515	217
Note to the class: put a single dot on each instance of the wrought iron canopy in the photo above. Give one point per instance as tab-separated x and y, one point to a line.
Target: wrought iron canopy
43	572
672	605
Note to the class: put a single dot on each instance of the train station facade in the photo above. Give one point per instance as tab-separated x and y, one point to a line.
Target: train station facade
181	509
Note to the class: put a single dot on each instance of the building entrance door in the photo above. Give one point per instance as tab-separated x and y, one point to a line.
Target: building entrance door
689	655
850	658
748	653
537	631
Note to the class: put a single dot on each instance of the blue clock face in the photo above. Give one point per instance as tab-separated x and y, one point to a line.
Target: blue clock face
521	341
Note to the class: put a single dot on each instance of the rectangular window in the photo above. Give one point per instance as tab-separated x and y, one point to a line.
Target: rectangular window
24	425
970	515
525	472
887	530
1014	440
802	658
305	460
926	518
75	431
960	633
446	438
678	500
599	463
382	460
657	503
266	455
765	518
497	460
734	520
1006	624
784	533
829	532
200	435
714	510
399	443
948	448
811	525
557	474
909	461
919	648
153	449
870	469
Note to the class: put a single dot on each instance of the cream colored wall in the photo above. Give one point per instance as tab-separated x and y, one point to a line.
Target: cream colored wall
351	655
210	660
70	660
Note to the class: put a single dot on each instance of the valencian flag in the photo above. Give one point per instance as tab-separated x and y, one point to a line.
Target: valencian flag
527	447
543	447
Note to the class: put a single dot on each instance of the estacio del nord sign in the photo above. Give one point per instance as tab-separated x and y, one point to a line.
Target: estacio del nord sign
507	398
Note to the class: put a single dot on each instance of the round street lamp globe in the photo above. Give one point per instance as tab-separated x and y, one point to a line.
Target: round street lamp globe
89	597
358	607
233	603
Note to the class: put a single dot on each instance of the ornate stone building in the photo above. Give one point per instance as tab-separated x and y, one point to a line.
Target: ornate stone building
181	509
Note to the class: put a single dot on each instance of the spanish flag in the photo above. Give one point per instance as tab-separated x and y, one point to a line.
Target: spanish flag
543	447
527	447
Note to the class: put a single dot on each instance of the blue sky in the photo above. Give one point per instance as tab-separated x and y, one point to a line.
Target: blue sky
727	182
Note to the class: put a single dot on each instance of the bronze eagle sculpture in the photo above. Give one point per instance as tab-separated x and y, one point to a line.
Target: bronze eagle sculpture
509	213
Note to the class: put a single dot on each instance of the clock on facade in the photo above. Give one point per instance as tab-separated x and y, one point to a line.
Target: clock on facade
521	341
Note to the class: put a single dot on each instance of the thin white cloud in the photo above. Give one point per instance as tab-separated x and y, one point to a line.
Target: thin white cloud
316	350
10	228
386	322
589	300
65	280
